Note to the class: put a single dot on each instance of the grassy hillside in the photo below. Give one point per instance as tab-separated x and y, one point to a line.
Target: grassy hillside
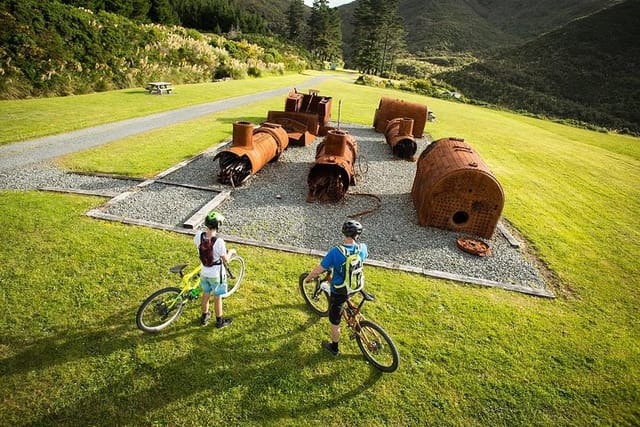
585	71
70	353
529	20
47	48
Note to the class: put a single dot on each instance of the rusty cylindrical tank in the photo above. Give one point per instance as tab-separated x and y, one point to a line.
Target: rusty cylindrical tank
390	109
399	135
454	189
333	172
251	149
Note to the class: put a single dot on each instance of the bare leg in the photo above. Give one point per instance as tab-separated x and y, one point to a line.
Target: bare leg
217	305
335	333
205	302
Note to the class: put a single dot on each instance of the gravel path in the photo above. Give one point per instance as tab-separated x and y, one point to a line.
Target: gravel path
37	150
271	208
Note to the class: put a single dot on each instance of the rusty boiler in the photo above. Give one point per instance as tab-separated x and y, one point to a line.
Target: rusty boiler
305	116
333	171
453	189
399	135
250	150
390	109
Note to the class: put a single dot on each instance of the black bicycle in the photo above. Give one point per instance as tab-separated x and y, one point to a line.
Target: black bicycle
374	342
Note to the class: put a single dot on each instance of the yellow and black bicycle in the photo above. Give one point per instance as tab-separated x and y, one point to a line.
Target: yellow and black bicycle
375	343
164	306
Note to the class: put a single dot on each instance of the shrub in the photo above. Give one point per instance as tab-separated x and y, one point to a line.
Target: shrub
51	49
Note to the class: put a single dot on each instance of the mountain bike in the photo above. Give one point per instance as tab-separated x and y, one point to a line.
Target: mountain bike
164	306
374	342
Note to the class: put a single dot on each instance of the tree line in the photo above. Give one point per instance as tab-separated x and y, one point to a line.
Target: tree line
379	35
216	16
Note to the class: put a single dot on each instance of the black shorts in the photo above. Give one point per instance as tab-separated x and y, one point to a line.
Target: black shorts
336	305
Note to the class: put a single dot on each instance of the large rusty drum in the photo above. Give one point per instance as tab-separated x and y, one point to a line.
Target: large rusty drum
454	189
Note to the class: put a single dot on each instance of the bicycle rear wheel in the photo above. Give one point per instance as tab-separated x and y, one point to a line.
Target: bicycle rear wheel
235	273
160	310
377	347
316	298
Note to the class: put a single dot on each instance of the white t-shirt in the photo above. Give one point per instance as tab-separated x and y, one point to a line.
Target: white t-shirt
219	250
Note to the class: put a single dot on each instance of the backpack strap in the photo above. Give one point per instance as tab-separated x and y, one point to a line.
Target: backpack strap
344	251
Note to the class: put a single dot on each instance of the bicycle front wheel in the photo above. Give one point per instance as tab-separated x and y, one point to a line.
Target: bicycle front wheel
235	273
316	298
160	310
377	347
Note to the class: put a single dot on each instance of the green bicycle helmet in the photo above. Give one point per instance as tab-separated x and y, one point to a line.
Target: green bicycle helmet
214	220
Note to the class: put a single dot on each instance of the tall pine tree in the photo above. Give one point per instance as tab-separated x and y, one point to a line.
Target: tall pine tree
325	34
378	36
295	21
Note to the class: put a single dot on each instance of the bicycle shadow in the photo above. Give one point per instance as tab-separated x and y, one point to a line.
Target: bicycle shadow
69	346
245	359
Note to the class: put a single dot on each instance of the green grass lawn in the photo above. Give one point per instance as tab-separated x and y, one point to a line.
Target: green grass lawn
38	117
71	354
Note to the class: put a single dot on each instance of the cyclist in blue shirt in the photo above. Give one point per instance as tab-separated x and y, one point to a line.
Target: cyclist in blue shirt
334	260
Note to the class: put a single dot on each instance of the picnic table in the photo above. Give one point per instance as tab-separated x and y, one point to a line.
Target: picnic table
159	88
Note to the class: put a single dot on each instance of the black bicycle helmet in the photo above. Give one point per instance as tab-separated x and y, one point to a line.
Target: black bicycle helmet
214	220
352	229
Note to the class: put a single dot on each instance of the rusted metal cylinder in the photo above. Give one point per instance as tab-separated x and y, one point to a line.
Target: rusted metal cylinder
302	128
333	172
242	134
310	103
390	109
399	135
454	189
251	149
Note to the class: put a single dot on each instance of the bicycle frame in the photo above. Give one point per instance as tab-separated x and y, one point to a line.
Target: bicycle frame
189	282
352	314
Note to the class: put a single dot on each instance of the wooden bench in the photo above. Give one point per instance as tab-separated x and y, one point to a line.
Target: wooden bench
159	88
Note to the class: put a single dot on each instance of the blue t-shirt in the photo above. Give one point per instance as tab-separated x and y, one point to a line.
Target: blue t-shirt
335	260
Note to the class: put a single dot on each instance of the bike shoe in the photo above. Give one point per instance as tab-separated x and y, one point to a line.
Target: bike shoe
330	348
204	319
224	322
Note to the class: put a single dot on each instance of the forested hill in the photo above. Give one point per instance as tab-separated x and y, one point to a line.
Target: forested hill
587	70
477	26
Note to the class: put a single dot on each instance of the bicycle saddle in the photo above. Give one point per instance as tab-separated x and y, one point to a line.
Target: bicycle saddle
367	296
178	268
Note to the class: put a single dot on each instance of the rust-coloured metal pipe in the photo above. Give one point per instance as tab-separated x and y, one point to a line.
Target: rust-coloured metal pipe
311	103
305	116
399	135
333	172
390	109
251	149
301	127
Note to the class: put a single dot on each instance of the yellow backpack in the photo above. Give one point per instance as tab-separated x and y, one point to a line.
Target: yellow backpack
353	270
